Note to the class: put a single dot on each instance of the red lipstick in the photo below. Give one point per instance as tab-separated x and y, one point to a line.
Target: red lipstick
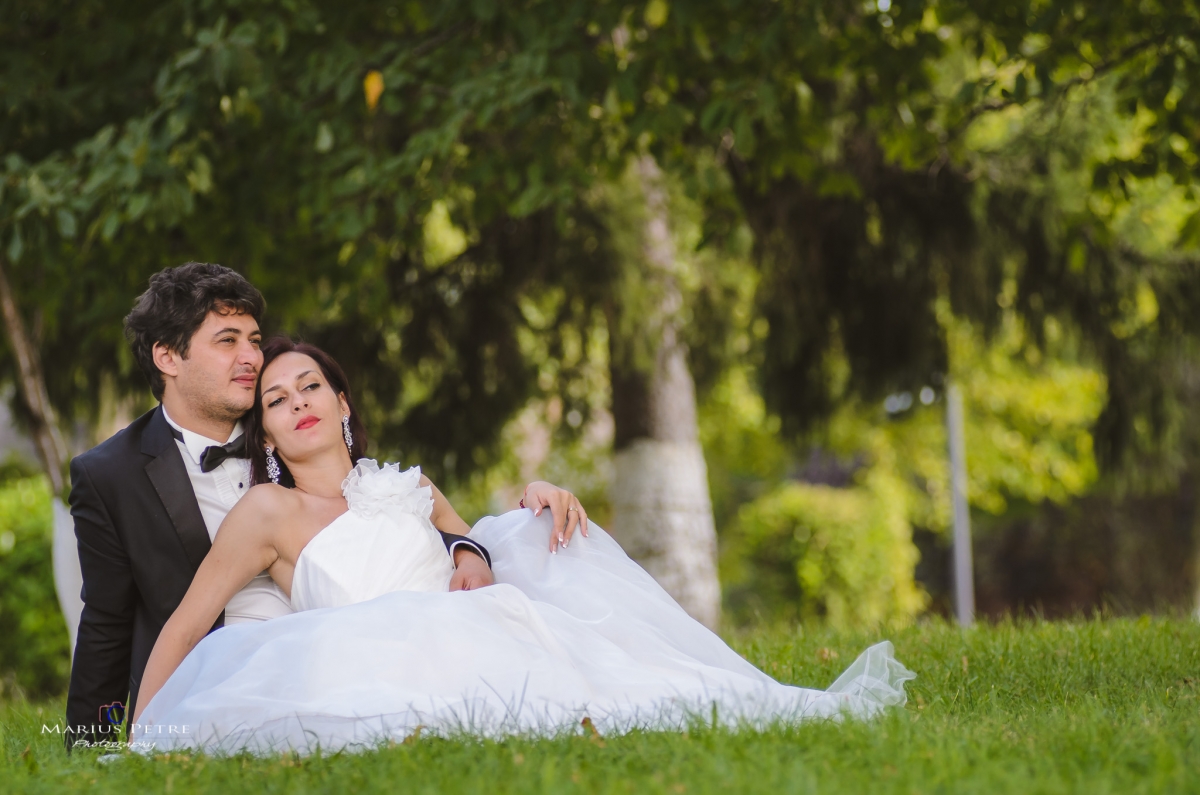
306	422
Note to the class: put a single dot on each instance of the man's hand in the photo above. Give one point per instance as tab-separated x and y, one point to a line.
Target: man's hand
470	571
564	507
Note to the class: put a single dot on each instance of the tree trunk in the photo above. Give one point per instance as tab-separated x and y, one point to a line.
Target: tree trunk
46	436
1195	547
662	513
68	580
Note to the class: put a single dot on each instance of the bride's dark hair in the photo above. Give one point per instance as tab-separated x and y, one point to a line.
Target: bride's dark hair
272	349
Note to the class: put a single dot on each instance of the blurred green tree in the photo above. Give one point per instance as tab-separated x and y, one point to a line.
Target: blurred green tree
320	149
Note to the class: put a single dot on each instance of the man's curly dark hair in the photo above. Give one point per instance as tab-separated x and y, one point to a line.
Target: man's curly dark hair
175	305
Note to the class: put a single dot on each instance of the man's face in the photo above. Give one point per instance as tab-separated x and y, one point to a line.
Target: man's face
218	376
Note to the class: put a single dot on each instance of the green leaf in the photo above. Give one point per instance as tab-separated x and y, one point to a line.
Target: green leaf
139	203
188	57
111	223
714	116
966	92
1189	233
245	34
703	46
743	135
200	177
66	223
656	13
324	140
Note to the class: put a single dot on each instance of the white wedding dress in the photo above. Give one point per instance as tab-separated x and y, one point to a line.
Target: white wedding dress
379	648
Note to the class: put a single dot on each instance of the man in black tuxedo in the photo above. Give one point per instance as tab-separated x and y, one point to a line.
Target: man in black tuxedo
148	502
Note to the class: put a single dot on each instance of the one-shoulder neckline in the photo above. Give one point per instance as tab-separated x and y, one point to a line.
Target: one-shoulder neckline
309	543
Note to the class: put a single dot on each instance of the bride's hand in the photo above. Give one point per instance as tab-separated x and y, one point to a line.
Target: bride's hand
564	507
470	572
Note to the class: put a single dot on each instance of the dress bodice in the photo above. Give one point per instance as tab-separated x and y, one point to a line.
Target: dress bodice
383	543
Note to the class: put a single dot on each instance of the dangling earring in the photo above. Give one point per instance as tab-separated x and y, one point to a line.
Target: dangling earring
346	434
272	465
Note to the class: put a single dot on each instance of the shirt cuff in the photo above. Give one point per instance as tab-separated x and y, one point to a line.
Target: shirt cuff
473	547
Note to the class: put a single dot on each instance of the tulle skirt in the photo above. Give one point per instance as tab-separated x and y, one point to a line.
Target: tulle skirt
585	633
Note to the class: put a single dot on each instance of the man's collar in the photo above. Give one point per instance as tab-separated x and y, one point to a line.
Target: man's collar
194	442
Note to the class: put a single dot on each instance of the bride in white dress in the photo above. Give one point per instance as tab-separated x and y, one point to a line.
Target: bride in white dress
380	648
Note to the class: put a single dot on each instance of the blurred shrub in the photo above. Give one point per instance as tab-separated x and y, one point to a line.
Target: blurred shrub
798	550
745	455
1029	414
34	646
841	555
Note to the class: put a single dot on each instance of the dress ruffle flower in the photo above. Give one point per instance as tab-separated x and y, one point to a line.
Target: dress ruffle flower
370	489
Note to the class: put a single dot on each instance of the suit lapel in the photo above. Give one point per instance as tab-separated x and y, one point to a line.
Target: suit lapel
170	478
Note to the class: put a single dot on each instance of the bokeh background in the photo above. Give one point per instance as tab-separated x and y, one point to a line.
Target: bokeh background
732	253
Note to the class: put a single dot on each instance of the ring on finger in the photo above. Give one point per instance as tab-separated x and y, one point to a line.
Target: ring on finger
572	509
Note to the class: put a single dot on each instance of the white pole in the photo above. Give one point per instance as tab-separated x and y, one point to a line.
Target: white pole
68	579
964	581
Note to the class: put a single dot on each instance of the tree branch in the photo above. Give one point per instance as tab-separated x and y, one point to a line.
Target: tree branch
1104	66
46	435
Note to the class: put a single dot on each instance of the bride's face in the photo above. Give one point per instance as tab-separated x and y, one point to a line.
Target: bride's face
302	415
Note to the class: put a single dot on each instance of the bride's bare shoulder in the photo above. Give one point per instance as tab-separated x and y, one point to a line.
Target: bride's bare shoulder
267	501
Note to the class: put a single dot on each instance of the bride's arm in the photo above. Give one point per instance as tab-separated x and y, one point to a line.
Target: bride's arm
562	503
244	547
444	517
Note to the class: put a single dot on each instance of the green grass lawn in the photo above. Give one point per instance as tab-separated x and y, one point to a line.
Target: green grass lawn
1092	706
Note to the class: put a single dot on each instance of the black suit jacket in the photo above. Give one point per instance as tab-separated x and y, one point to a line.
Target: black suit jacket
141	539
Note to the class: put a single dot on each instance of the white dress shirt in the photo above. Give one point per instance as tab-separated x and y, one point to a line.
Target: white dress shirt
216	493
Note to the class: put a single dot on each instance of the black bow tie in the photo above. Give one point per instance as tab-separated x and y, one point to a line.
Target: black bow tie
214	456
